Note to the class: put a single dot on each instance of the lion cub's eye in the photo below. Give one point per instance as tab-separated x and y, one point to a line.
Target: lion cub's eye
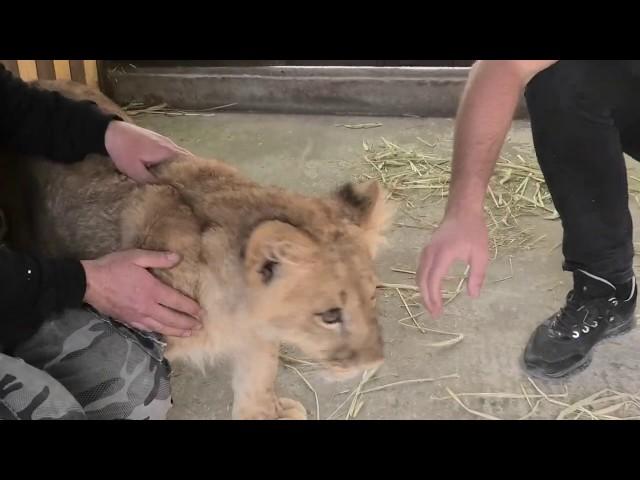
332	316
267	271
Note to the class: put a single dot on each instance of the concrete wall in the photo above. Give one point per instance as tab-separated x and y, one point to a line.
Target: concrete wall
379	91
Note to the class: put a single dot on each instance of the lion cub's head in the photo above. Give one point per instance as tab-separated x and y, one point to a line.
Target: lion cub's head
315	287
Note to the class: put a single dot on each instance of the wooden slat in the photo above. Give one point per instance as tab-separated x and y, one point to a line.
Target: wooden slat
28	70
91	73
83	71
103	83
62	69
45	69
11	65
77	70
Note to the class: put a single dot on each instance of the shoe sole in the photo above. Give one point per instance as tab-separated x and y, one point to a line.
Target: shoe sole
582	364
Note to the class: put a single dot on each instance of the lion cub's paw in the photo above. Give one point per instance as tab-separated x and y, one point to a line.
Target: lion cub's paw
288	409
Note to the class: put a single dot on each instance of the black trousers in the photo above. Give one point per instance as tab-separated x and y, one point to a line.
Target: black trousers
584	115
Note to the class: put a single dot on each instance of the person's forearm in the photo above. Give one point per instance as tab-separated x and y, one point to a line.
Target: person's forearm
34	285
484	118
40	122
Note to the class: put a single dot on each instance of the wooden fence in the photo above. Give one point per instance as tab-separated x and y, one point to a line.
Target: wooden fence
83	71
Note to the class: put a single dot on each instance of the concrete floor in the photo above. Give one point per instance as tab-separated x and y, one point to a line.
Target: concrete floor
310	154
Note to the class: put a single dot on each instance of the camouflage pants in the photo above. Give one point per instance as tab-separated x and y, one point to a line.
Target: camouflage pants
81	365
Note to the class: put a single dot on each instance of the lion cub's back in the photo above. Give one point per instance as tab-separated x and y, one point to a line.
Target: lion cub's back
77	207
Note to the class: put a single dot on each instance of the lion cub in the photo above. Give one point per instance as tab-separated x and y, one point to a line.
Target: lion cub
269	266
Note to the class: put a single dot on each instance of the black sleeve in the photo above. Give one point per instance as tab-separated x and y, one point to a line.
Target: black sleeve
33	288
41	122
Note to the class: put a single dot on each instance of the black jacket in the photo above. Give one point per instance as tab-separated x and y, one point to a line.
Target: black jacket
39	122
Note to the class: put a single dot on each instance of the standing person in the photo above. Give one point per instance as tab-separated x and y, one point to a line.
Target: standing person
584	115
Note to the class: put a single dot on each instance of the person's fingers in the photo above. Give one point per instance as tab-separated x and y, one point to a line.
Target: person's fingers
181	150
174	319
153	259
139	326
423	270
155	326
439	268
167	152
175	300
135	169
478	264
138	172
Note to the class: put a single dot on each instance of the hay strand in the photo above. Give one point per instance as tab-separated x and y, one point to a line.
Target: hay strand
408	382
471	411
515	189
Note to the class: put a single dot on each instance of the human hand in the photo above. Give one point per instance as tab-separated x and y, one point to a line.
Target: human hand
462	237
119	285
134	148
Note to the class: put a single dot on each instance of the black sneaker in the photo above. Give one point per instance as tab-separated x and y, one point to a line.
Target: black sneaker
594	311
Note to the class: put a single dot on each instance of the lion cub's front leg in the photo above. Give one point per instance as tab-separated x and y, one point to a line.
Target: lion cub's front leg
254	374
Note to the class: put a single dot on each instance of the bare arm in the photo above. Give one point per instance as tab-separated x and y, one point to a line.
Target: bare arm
484	117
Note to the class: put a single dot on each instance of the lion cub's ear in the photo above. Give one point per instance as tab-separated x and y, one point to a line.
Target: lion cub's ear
366	205
274	245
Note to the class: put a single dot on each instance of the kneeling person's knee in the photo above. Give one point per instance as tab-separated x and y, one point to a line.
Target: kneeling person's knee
113	371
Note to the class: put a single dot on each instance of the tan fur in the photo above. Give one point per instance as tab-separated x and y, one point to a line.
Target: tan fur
229	231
